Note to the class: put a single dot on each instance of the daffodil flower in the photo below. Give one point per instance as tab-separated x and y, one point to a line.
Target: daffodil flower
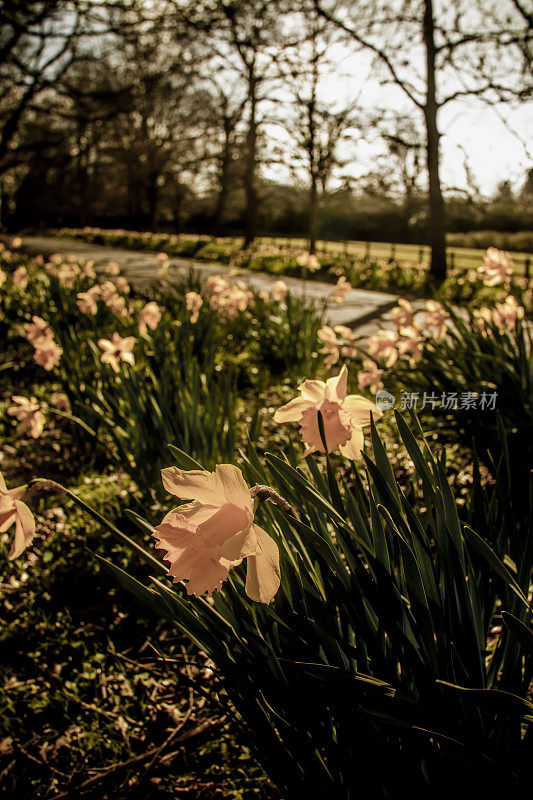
205	538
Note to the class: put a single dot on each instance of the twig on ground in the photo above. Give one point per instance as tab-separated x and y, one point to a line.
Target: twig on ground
154	754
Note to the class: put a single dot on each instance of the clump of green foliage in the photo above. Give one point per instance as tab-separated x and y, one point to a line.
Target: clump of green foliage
376	274
400	635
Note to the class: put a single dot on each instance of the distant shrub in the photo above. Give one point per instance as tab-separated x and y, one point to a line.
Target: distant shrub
520	241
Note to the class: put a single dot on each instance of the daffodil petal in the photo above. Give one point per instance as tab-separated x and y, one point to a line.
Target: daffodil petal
242	545
24	529
293	410
354	447
193	484
232	485
360	408
228	520
263	575
336	387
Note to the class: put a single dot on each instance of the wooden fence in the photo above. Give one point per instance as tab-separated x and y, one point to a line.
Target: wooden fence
458	257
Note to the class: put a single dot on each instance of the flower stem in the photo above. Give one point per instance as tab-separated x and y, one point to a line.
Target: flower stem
44	484
266	493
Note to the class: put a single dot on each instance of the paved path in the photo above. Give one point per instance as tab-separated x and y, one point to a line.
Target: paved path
361	310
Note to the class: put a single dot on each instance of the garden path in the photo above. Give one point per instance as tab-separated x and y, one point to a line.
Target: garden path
362	310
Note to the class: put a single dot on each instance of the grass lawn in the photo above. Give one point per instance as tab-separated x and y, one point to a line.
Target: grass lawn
461	257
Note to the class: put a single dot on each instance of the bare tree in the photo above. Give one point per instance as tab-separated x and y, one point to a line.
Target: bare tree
242	40
317	128
254	38
39	44
132	119
226	109
405	152
161	135
437	53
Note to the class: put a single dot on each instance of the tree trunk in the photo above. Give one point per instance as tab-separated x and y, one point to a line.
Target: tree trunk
313	215
82	167
152	196
178	202
312	155
224	181
437	222
84	197
250	174
131	195
11	126
221	206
